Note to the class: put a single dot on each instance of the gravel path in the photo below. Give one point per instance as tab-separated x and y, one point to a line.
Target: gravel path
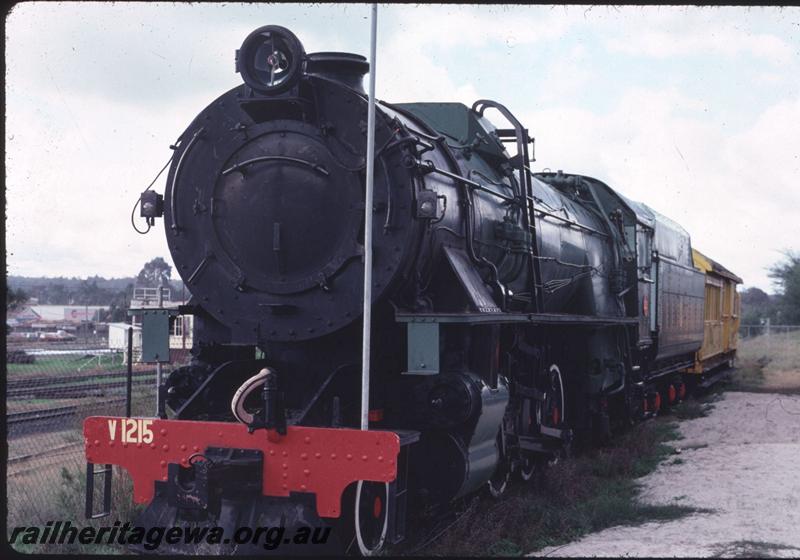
743	462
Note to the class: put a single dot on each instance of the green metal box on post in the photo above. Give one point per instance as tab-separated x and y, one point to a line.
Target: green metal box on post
155	335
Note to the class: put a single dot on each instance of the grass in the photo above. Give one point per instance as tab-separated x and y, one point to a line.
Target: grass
691	409
599	489
748	376
59	365
53	490
586	493
768	364
45	365
65	501
782	350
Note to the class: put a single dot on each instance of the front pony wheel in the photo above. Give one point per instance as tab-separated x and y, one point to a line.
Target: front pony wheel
371	516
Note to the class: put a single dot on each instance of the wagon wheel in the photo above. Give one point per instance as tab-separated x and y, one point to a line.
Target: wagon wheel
371	516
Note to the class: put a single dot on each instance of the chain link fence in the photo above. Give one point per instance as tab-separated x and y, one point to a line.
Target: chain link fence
51	387
766	329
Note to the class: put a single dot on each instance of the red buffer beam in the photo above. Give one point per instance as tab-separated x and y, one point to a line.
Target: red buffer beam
321	461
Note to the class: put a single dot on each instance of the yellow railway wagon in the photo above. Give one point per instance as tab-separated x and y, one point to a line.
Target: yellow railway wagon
721	316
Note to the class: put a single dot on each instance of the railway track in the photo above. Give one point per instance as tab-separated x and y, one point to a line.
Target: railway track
71	391
50	451
51	381
47	419
15	418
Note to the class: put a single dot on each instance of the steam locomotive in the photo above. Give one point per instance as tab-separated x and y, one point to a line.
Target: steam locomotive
515	313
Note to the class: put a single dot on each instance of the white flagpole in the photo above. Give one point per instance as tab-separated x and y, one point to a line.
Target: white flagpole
368	224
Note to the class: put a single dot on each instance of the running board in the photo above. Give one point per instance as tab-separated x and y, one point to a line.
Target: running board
673	368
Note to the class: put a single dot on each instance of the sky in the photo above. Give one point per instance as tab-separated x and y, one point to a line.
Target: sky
693	111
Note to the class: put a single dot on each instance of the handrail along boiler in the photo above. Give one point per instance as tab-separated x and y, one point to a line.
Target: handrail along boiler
514	312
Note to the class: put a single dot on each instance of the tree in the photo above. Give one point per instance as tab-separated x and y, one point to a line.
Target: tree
116	313
15	299
89	293
786	276
757	305
755	297
118	308
57	294
154	273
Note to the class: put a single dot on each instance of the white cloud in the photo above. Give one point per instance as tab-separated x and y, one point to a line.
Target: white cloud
452	25
700	35
74	180
95	92
736	194
408	68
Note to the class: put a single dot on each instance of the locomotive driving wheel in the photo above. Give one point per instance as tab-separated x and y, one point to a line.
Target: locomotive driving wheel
527	464
551	411
546	411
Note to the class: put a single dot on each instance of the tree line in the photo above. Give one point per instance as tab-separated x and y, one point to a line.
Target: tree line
782	307
116	293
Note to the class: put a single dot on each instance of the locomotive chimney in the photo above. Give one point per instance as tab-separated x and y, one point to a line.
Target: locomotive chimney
347	68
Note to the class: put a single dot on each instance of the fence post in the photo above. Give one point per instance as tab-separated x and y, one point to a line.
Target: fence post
129	380
159	401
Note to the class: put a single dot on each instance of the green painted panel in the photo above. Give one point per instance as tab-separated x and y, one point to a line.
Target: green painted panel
423	348
155	335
